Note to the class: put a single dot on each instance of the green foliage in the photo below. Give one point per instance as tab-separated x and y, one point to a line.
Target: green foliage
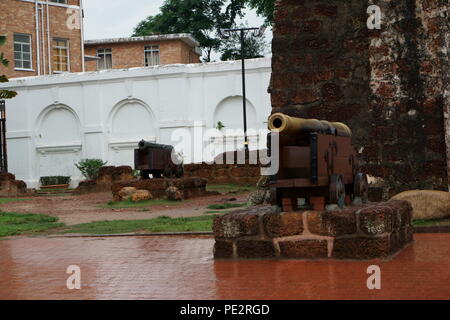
220	125
147	203
254	47
201	18
160	224
8	200
4	94
90	168
264	8
15	223
230	188
54	180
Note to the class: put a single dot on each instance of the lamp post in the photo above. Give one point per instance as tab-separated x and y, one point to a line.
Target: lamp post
225	34
3	152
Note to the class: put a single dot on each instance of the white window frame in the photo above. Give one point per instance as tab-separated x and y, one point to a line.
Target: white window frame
151	49
68	53
104	54
31	51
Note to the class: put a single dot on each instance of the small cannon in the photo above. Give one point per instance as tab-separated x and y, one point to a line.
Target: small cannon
156	159
317	163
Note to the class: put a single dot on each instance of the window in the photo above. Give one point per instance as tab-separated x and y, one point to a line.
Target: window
59	1
151	56
22	51
60	55
105	61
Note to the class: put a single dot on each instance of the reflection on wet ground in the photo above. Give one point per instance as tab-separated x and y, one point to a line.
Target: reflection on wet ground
183	268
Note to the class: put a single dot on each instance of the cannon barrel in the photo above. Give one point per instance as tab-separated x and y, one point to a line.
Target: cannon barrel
281	123
147	145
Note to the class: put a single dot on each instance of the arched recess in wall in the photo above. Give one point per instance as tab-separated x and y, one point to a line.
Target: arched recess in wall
130	121
230	113
58	141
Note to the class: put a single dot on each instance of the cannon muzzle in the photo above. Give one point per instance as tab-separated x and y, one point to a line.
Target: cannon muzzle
143	145
281	123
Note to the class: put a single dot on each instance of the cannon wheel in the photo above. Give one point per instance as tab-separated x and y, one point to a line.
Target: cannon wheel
179	171
168	172
145	174
361	187
337	190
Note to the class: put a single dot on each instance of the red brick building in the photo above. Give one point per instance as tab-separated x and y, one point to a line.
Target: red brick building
145	51
43	36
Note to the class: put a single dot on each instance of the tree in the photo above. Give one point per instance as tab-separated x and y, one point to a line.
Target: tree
264	8
201	18
254	47
4	94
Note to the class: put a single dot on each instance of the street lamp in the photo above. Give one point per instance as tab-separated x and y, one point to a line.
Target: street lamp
256	32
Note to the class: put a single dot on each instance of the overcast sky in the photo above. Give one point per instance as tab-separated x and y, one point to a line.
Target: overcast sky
120	17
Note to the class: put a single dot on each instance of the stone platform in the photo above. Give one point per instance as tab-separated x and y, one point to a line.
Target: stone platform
372	231
188	187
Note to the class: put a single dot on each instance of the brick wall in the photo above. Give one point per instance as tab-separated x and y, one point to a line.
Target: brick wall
19	17
131	55
386	84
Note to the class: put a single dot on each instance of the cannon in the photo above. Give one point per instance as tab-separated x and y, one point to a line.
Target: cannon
156	160
317	162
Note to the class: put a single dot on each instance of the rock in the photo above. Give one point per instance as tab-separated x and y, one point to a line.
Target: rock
257	198
173	194
141	195
332	207
427	204
125	193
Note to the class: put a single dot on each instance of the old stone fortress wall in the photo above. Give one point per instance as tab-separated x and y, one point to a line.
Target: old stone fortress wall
57	120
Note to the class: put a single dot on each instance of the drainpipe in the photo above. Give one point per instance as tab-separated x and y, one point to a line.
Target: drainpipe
49	42
38	40
44	58
82	35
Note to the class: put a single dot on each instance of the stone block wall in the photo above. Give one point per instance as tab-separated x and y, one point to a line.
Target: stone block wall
188	187
224	173
10	187
391	86
107	177
372	231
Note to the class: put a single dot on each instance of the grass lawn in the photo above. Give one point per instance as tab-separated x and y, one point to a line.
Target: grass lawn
160	224
228	205
230	188
142	204
12	224
6	200
432	222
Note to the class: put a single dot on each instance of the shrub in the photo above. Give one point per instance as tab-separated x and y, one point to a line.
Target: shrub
90	168
54	180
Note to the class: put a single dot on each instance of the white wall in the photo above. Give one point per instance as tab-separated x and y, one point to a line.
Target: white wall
57	120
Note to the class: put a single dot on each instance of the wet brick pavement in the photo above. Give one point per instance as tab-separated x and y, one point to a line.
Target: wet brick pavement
183	268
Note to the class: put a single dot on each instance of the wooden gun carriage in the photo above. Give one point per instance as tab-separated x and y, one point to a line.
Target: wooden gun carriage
317	163
156	159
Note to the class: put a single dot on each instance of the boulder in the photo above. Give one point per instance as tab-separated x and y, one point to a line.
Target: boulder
125	193
173	194
427	204
141	195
